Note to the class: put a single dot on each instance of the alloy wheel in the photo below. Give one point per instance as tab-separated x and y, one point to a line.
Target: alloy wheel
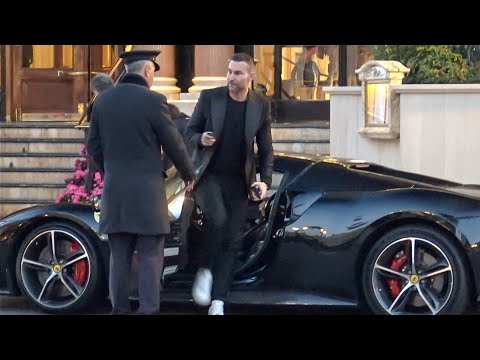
55	268
412	276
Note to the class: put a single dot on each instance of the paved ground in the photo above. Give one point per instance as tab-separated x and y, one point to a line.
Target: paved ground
21	306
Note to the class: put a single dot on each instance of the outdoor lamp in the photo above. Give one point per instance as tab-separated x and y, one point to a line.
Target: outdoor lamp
381	120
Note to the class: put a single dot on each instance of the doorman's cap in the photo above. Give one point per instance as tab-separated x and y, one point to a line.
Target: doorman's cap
138	55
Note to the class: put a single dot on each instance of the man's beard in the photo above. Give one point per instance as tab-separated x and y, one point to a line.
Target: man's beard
234	87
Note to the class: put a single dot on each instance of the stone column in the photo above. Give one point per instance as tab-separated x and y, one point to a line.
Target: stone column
165	81
211	63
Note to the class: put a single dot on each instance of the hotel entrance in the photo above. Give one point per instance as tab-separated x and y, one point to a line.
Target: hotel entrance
51	82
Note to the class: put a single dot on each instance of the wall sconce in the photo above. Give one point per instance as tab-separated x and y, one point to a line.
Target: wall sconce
381	120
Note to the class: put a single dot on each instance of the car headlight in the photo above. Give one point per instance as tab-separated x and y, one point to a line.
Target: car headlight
97	203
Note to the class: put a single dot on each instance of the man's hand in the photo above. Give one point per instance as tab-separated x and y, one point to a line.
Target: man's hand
190	185
263	189
207	139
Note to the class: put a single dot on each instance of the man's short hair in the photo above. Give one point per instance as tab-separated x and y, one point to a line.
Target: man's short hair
138	66
243	57
101	82
174	110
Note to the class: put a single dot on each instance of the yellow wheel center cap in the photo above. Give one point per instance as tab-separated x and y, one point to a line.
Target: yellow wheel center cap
414	279
57	268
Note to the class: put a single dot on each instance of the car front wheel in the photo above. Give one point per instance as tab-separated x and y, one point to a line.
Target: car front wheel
58	269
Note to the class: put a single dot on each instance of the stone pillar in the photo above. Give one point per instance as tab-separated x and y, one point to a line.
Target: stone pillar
211	63
165	81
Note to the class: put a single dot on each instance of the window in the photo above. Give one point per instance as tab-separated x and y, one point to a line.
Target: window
67	56
47	56
108	55
264	68
306	69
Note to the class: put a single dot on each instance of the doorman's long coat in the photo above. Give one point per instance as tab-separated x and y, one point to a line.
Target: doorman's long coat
130	125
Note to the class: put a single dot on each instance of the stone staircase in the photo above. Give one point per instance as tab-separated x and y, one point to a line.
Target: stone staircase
35	159
312	137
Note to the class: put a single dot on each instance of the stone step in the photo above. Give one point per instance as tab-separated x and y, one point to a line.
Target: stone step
12	145
40	132
10	191
37	160
8	207
306	148
35	175
320	124
59	118
189	96
303	133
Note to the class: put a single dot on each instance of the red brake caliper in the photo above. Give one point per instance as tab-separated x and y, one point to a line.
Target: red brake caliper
394	284
80	268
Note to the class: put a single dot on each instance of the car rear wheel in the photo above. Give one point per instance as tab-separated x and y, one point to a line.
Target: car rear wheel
58	269
415	270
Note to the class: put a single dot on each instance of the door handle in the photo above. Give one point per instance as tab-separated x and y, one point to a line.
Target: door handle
75	73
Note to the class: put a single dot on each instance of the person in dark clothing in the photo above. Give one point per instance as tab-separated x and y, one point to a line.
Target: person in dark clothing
221	134
129	128
180	120
98	84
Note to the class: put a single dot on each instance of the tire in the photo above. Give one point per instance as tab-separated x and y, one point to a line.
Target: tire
392	286
72	282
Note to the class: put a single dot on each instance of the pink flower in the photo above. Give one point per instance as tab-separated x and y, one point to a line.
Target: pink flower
83	150
97	177
80	164
75	190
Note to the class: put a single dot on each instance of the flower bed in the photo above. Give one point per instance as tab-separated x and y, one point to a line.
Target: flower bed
76	184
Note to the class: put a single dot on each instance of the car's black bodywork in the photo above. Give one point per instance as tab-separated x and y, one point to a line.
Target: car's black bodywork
331	232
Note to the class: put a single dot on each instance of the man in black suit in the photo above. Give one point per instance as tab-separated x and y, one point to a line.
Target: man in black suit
130	126
221	134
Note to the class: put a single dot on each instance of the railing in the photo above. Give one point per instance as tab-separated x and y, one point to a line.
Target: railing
83	119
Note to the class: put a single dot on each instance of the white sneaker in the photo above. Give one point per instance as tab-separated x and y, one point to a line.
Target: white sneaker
202	287
216	308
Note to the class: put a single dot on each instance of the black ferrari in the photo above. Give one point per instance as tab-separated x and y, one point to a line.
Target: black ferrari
331	232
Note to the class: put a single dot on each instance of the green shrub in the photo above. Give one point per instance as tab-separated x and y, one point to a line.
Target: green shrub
431	64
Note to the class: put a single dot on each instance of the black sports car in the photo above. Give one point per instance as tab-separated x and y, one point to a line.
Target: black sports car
331	232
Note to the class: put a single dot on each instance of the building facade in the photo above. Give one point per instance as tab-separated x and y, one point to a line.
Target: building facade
50	82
